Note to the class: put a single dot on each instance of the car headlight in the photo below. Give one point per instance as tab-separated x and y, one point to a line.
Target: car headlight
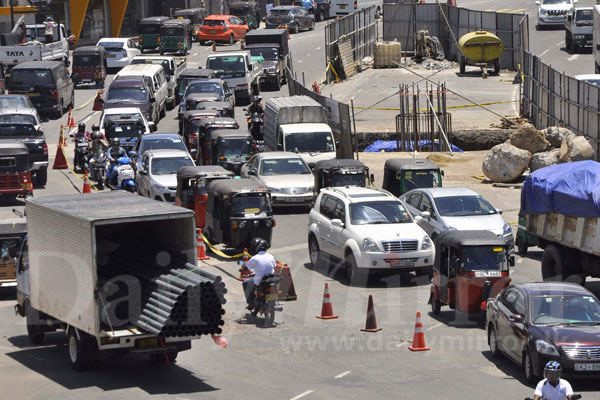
157	187
579	36
370	245
449	228
542	11
426	244
275	190
546	348
507	229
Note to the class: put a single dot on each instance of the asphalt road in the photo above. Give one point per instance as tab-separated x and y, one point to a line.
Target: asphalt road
301	357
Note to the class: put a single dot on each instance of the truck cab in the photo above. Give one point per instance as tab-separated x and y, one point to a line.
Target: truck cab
579	26
238	70
312	141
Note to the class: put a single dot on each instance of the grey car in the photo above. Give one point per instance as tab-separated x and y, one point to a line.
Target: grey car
294	17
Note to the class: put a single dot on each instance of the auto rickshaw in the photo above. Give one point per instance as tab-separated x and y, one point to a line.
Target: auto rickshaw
89	65
229	148
195	15
149	37
340	172
207	126
223	108
190	129
401	175
247	11
191	188
237	211
15	175
469	268
175	36
12	233
191	74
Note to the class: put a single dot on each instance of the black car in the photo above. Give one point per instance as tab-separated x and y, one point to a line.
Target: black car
133	92
533	323
322	10
294	17
47	83
34	139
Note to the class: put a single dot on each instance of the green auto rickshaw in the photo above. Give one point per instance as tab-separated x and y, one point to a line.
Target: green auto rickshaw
149	37
176	36
403	174
195	15
247	11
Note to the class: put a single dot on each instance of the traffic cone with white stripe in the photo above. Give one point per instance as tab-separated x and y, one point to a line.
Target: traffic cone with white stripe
371	323
200	246
418	343
87	188
244	271
327	308
70	121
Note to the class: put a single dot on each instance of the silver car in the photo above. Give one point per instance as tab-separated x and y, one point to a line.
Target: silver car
456	209
285	174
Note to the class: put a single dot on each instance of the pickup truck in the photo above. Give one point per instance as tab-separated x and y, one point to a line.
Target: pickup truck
35	49
239	71
579	26
173	67
34	139
272	45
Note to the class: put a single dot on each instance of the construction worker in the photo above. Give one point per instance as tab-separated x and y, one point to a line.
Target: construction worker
49	30
262	263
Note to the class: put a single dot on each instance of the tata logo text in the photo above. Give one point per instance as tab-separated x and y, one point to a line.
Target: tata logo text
15	54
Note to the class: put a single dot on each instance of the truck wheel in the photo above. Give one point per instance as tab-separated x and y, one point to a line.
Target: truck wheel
436	305
160	357
521	246
462	62
497	66
41	177
83	350
553	263
34	331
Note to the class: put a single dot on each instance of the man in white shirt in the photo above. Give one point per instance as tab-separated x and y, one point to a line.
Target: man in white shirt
552	387
262	263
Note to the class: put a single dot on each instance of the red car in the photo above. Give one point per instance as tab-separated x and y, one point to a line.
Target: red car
223	28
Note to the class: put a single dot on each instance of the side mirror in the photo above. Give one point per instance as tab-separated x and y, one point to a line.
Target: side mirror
71	134
152	126
337	223
499	210
250	67
516	318
418	218
511	261
228	95
252	172
337	143
426	215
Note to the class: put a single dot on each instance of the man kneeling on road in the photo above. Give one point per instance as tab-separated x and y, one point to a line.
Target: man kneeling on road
262	263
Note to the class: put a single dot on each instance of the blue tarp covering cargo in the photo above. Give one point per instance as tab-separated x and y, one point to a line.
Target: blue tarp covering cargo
390	145
571	189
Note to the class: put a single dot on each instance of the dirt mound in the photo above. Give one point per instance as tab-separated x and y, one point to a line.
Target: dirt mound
441	159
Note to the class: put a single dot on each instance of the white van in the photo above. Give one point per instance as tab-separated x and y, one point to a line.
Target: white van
345	7
159	81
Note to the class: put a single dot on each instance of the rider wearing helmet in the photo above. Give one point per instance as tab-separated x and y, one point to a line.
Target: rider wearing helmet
81	132
552	387
262	263
113	154
98	144
256	107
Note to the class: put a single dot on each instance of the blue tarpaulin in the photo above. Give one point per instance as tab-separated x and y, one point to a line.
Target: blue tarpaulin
571	189
390	145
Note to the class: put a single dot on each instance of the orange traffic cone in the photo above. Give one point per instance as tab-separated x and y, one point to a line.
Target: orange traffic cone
244	271
70	122
98	106
418	343
214	46
61	136
286	285
326	309
201	248
87	188
371	323
60	161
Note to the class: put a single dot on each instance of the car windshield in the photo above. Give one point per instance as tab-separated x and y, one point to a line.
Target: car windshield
251	203
584	17
169	166
565	309
233	147
268	53
462	206
239	11
284	166
378	212
18	130
165	143
281	13
42	77
19	118
150	29
557	1
86	61
204	87
309	142
111	45
420	179
483	258
349	180
13	102
171	31
116	94
124	130
212	22
226	64
164	63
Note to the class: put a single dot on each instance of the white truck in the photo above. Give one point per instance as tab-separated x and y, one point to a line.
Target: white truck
299	124
579	28
35	49
173	67
239	71
120	278
596	39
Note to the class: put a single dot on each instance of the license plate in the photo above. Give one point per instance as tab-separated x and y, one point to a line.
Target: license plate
278	21
32	94
213	31
149	343
488	274
342	6
271	297
587	367
111	56
402	263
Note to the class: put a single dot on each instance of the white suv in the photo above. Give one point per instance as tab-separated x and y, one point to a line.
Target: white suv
367	229
553	12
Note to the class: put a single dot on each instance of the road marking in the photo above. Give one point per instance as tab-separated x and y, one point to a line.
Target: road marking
302	395
195	54
308	54
299	61
401	344
573	57
544	52
489	9
343	374
318	48
518	11
560	43
433	327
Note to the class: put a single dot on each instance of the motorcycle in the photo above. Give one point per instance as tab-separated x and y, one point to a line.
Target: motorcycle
81	153
265	297
98	170
255	123
125	175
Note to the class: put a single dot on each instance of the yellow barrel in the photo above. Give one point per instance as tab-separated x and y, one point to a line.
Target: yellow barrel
481	46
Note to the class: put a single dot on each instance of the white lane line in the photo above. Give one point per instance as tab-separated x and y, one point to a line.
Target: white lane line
401	344
299	61
318	48
308	54
544	52
573	57
343	374
434	327
195	54
560	43
301	395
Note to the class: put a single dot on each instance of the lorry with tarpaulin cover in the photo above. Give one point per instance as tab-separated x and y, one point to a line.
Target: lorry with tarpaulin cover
129	285
560	207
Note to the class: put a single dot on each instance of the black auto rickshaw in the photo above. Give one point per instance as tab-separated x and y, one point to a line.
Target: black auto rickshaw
229	148
196	17
191	74
12	233
469	268
403	174
89	65
175	36
247	11
15	175
207	126
149	37
237	211
340	172
191	188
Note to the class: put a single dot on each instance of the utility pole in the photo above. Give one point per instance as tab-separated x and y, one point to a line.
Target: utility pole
12	4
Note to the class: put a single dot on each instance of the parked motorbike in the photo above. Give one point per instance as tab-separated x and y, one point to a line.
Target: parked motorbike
255	123
98	170
265	297
259	145
125	176
81	153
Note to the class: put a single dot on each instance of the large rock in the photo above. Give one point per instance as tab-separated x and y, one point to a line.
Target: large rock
530	139
505	163
556	135
544	159
576	148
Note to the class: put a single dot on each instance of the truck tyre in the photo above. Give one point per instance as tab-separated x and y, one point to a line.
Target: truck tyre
35	332
436	305
553	262
568	41
522	246
462	62
41	177
83	350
